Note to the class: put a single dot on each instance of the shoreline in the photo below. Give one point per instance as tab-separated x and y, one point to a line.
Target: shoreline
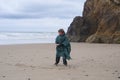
20	44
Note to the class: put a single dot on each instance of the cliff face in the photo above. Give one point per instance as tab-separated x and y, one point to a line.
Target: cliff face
100	23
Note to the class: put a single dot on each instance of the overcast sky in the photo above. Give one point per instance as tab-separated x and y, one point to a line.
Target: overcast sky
38	15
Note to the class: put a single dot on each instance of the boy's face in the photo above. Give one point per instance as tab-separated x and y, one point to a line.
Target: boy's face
60	33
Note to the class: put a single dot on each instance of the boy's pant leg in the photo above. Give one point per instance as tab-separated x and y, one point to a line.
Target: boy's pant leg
57	60
64	61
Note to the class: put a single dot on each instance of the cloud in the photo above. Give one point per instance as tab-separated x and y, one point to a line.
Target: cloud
44	24
40	8
38	15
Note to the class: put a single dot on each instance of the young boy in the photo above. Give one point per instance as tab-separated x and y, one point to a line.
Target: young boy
63	47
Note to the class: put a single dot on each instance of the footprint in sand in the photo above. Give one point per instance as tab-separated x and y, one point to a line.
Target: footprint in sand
47	57
118	77
87	75
1	62
23	65
20	65
3	76
84	71
116	71
74	79
68	74
107	70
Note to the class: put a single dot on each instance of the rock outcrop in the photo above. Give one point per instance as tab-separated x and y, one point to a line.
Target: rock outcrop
100	23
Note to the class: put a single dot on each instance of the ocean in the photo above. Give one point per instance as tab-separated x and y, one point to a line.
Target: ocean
26	37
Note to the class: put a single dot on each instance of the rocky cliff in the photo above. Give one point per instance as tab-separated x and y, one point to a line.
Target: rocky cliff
100	23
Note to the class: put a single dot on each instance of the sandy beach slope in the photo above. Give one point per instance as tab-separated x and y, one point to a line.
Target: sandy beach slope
35	62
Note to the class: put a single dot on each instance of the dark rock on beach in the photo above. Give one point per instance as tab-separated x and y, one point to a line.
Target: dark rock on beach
100	23
76	29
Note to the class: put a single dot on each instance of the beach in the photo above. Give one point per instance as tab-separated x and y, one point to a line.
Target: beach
36	62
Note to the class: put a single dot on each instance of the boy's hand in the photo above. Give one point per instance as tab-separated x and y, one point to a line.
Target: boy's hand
57	44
